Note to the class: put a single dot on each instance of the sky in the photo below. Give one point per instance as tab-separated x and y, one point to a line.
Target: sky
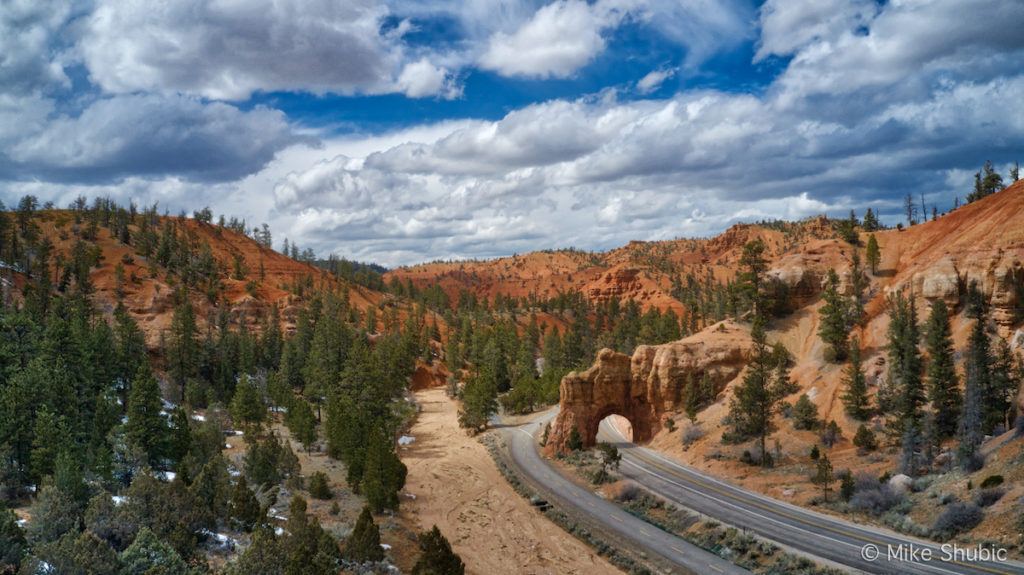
402	131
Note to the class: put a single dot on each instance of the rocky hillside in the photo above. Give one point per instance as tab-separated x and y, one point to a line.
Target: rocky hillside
243	275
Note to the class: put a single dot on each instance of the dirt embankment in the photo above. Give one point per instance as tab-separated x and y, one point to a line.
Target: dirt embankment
458	488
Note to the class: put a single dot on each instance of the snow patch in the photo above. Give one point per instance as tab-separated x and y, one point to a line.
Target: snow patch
385	546
119	500
406	440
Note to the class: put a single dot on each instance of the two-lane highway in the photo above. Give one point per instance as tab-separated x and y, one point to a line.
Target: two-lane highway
840	542
663	548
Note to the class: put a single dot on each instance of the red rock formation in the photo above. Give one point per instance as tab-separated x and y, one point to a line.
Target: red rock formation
647	386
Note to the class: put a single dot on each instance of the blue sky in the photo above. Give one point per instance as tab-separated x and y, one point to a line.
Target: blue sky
401	131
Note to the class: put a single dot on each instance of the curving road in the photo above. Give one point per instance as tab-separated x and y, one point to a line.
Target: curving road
828	538
616	525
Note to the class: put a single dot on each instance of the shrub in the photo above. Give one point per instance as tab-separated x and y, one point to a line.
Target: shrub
872	496
815	453
988	497
831	434
992	481
623	491
575	442
865	440
318	487
957	518
670	425
692	434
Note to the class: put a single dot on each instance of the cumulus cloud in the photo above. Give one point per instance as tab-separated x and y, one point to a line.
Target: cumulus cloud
31	57
558	40
228	50
150	135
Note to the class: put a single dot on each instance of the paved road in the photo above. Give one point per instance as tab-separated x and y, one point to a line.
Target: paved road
813	533
642	537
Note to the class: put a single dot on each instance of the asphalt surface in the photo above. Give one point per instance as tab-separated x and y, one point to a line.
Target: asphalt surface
842	543
642	538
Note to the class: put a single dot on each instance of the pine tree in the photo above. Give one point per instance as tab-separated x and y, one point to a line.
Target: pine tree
12	541
363	545
864	439
805	413
302	424
855	394
148	555
757	398
145	426
905	395
970	432
479	402
244	508
438	557
318	487
873	254
753	265
183	349
823	476
943	387
1015	172
833	329
1002	389
384	473
870	223
247	406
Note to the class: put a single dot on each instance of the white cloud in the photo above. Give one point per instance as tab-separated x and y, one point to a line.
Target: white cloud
653	80
153	136
31	60
559	39
421	78
788	25
228	50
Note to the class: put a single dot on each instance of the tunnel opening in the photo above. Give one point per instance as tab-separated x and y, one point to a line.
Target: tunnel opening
615	428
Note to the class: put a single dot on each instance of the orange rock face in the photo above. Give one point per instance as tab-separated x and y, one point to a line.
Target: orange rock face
645	387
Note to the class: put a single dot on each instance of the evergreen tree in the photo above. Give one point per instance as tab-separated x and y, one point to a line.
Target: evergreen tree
244	508
145	426
905	394
183	349
873	254
54	513
970	431
823	476
870	223
318	487
1002	389
148	555
438	557
757	398
302	424
805	413
855	394
384	474
479	402
943	387
753	266
81	554
247	407
13	544
864	439
363	545
833	329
